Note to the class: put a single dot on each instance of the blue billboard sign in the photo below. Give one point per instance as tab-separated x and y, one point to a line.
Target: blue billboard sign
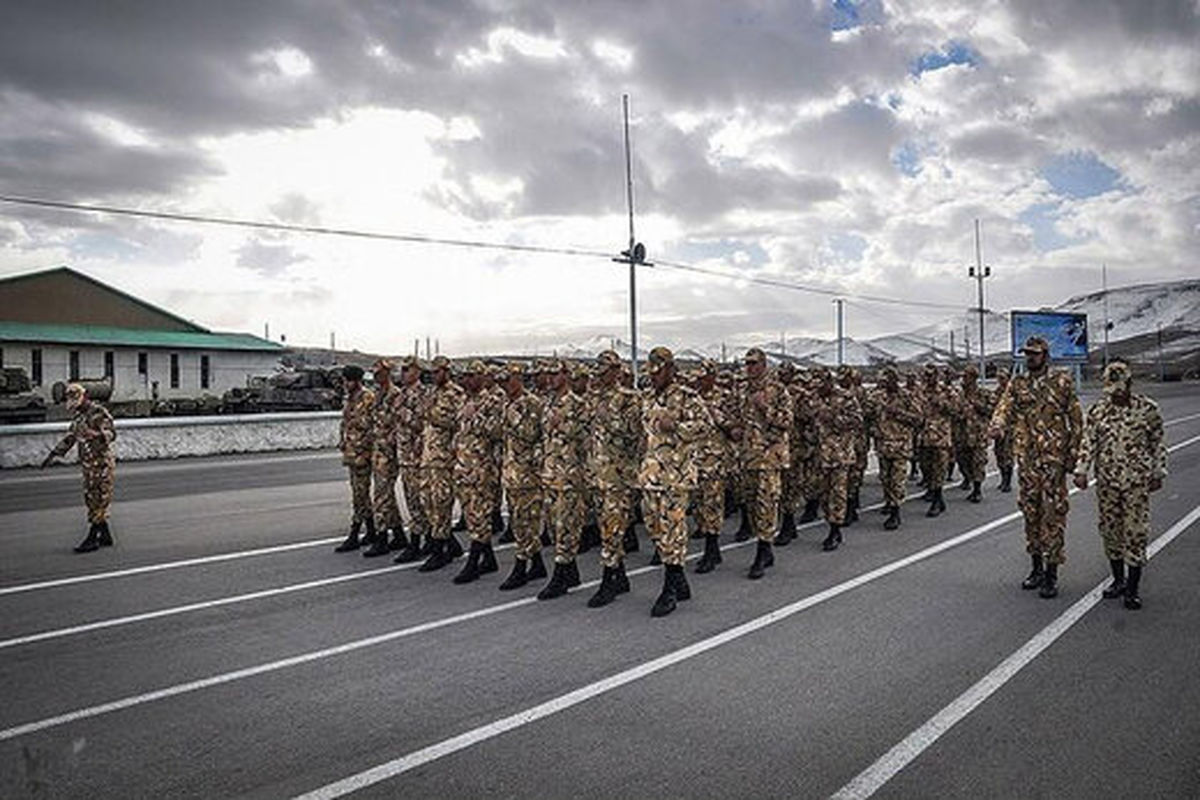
1066	333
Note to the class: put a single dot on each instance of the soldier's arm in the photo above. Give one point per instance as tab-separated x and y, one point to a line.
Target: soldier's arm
1158	445
1075	421
694	420
1001	413
1087	444
779	412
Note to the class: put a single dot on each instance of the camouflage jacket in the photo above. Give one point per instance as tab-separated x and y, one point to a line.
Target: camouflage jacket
1124	444
523	442
410	423
564	443
383	432
939	405
975	409
839	419
766	429
670	462
1046	418
896	415
616	429
358	422
501	400
93	430
717	451
804	425
440	414
478	426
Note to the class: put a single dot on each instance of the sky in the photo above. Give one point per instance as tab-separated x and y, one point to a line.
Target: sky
843	145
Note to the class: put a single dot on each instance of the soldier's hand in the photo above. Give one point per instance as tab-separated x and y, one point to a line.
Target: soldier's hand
666	424
47	461
1156	484
1081	480
996	434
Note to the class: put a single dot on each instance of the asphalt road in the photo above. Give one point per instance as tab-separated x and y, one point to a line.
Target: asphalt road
265	665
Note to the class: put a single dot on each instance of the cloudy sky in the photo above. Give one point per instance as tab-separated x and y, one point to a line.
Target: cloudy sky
846	145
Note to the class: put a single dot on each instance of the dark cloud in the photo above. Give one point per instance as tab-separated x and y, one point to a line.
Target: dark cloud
267	259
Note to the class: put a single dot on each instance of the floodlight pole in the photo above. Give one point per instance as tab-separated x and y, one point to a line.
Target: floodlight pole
1107	319
841	349
979	272
636	254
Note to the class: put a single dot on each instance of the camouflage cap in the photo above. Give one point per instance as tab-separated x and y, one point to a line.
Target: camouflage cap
1035	344
75	391
410	362
708	367
1117	372
821	373
845	371
440	362
514	368
787	368
555	365
659	357
755	355
609	358
475	367
579	369
889	372
972	370
384	364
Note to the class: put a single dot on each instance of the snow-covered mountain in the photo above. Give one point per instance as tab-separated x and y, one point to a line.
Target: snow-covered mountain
1141	309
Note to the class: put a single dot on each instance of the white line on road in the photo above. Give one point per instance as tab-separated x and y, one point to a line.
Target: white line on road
875	776
1181	420
64	472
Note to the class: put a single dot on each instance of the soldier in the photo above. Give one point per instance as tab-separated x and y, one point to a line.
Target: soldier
939	406
805	424
564	478
958	451
410	423
612	469
896	415
543	387
1123	444
975	411
1043	409
521	477
1003	447
440	415
355	442
585	390
714	461
838	417
492	377
385	465
675	420
766	421
851	381
478	427
792	477
92	429
913	387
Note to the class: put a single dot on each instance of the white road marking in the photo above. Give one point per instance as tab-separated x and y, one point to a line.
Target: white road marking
1181	420
875	776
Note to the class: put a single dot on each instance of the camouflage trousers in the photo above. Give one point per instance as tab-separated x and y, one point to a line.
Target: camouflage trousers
360	493
858	469
791	492
935	463
1003	448
834	493
612	514
1042	499
972	462
813	477
384	472
893	474
478	499
766	485
98	492
410	484
666	521
710	505
437	487
525	515
1124	522
566	518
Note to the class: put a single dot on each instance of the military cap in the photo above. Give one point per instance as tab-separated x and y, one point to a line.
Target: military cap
971	369
554	365
440	362
708	367
514	368
410	362
579	369
609	358
755	355
821	373
1117	372
384	364
890	371
352	372
1035	344
845	370
475	367
659	357
931	369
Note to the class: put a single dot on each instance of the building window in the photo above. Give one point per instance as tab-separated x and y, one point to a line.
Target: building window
174	370
204	371
143	364
73	365
35	366
1	358
109	371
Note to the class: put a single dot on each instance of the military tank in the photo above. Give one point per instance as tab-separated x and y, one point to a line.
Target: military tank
303	389
18	402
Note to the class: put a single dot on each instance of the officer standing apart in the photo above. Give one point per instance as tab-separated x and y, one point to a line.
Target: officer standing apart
1047	425
356	446
1123	444
92	429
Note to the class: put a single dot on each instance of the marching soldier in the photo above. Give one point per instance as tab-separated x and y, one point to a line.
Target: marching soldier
896	416
838	417
409	410
355	442
1123	444
612	468
93	431
851	381
767	419
939	405
792	478
492	378
585	390
975	412
564	478
478	427
385	465
805	424
1043	409
522	477
715	468
1003	447
674	419
440	415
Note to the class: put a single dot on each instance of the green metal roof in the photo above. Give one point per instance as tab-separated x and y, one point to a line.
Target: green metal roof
102	336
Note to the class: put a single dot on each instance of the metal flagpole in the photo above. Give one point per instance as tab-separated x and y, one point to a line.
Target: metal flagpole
636	254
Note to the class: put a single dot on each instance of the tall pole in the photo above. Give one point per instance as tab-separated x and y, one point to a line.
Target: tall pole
840	303
633	344
1107	323
1162	372
979	272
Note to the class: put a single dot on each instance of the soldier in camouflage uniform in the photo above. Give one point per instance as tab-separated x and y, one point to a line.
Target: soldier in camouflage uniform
792	478
355	442
896	415
521	476
589	393
544	372
492	377
675	420
838	417
612	469
564	476
1043	409
385	465
975	411
766	422
478	427
1123	444
1003	447
939	405
806	425
410	423
93	431
440	414
714	465
851	381
958	453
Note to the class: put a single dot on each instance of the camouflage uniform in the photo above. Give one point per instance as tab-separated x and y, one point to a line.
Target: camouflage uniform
478	426
92	429
356	444
612	467
521	471
716	456
975	412
805	423
409	411
792	478
440	415
896	414
851	382
385	462
838	416
939	405
1002	447
765	451
564	477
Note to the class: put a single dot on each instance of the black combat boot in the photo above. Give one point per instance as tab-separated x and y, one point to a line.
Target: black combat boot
544	537
572	570
453	548
928	495
91	542
712	554
679	579
497	521
730	503
656	559
1006	479
351	541
852	510
537	567
937	505
1049	583
833	540
105	537
439	556
811	509
517	578
763	558
378	540
620	578
665	603
426	546
787	530
976	495
1036	573
744	532
893	520
487	559
470	571
607	591
507	536
587	537
1133	600
399	540
966	483
460	525
1117	587
630	540
557	586
411	552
